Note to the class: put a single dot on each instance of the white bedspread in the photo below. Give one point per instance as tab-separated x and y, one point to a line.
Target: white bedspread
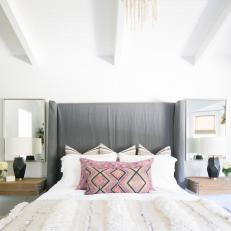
64	208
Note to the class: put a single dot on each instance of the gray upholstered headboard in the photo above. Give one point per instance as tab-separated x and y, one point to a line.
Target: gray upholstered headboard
117	125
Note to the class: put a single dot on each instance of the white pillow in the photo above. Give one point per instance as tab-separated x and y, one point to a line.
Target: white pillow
144	151
162	171
165	151
94	151
129	151
71	167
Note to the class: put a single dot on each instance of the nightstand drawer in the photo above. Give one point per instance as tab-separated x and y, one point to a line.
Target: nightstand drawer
206	186
25	187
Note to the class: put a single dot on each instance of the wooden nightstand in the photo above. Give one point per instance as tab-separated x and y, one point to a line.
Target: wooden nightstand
25	187
206	186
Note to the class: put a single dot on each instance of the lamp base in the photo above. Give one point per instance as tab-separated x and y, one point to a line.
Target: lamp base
19	167
213	168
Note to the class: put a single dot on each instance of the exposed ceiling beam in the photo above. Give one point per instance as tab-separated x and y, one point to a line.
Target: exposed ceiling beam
210	34
212	30
16	23
119	33
204	33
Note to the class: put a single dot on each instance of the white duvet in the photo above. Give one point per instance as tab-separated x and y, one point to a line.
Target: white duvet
64	208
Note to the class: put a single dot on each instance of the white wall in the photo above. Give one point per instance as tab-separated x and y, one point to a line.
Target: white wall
94	80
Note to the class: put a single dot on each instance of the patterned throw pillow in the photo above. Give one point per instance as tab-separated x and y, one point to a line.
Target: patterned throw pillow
69	150
93	151
129	151
118	177
144	151
165	151
103	150
83	177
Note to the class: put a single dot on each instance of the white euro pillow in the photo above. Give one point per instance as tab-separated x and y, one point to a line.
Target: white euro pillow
162	171
71	167
100	149
94	151
129	151
144	151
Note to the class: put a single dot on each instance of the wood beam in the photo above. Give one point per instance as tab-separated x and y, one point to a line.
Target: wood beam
11	13
119	33
222	15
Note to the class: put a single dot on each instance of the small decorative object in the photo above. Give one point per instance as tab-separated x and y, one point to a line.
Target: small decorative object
223	117
19	167
213	167
3	170
227	169
199	157
30	158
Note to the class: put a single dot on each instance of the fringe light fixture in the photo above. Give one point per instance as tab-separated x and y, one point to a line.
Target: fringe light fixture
139	11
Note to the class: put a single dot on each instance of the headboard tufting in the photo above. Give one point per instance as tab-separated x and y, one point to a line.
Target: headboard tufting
117	125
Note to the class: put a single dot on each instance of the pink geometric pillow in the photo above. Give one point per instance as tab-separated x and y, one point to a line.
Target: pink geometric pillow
83	177
118	177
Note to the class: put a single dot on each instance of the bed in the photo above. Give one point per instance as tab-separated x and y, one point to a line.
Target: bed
82	126
64	208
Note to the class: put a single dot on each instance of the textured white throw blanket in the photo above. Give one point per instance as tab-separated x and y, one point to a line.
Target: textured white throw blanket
158	214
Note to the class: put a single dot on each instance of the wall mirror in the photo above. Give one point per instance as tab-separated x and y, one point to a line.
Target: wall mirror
24	129
206	129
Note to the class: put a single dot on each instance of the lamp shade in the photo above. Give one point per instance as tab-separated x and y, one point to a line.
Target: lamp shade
208	146
36	146
22	146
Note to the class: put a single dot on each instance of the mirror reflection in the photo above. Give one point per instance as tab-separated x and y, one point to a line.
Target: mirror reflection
206	129
24	129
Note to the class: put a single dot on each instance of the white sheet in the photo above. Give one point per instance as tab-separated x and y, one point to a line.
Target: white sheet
61	191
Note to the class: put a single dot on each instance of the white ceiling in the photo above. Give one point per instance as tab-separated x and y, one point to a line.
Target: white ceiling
70	29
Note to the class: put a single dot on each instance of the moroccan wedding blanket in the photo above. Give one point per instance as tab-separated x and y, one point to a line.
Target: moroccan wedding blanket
159	214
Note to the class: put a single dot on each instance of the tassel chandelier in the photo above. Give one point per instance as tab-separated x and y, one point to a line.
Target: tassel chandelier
139	11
